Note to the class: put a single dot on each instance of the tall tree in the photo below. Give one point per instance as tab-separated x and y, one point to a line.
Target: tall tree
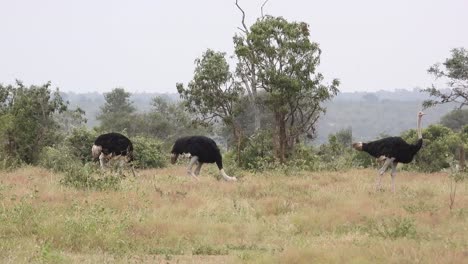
455	70
246	69
116	113
284	61
27	119
213	94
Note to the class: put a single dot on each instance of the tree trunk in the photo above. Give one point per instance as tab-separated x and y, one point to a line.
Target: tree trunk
462	158
238	138
281	136
256	112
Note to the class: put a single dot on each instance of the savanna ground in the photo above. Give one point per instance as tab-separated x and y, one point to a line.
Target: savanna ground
163	216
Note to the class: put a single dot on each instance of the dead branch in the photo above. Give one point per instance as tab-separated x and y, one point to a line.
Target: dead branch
245	30
261	9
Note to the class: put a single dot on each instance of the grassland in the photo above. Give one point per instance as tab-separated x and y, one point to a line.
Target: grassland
164	216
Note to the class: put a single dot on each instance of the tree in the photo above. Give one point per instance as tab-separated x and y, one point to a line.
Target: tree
27	119
168	120
455	69
213	94
246	69
116	114
284	61
455	119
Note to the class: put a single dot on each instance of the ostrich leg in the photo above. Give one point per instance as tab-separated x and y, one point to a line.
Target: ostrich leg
393	174
382	170
190	165
198	168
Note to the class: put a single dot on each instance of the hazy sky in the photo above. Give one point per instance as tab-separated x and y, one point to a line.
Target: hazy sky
150	45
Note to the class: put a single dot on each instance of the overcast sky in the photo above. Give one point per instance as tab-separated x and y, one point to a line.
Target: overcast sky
97	45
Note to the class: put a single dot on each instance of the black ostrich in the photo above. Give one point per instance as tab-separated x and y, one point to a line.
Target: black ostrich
392	150
202	150
112	145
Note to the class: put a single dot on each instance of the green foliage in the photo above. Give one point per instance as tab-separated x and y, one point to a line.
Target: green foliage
258	153
285	61
304	158
57	159
439	146
89	177
212	94
27	124
79	143
393	228
76	173
169	120
116	114
455	70
209	250
149	153
455	119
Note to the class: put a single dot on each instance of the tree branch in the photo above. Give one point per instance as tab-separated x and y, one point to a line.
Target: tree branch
243	19
261	9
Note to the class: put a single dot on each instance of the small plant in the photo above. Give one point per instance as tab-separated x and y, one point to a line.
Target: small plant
84	177
456	175
209	250
393	228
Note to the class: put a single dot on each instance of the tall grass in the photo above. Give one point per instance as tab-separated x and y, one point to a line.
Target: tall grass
165	216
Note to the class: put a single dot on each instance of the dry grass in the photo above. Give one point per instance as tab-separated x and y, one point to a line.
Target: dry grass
164	216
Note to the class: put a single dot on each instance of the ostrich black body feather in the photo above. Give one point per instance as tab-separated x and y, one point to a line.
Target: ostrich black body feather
115	144
203	147
393	147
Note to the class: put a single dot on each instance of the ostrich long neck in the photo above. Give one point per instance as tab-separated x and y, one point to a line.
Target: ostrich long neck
419	127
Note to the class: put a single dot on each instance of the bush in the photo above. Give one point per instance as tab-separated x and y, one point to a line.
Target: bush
258	152
80	141
57	159
149	153
439	146
304	158
9	163
84	177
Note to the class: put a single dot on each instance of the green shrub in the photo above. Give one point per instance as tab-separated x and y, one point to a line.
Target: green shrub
9	163
57	159
304	158
393	228
79	143
149	153
258	152
90	177
439	146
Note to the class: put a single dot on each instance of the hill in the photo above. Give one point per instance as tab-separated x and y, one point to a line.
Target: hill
369	115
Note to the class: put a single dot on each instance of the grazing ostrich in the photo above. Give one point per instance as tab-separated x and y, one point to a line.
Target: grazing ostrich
112	145
202	150
392	150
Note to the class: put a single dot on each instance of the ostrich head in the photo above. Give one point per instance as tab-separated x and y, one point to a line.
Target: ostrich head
174	157
357	145
420	114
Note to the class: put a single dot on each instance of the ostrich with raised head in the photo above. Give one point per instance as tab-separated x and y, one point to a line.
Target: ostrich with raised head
392	150
112	146
202	150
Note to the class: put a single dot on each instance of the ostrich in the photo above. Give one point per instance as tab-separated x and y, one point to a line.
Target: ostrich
392	150
202	150
112	145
